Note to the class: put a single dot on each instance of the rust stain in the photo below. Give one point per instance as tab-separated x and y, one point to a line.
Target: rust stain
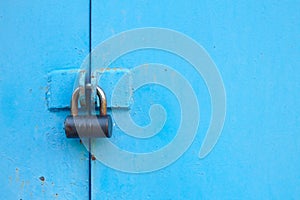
93	157
42	178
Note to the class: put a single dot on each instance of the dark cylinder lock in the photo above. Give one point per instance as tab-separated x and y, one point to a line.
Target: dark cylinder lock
88	126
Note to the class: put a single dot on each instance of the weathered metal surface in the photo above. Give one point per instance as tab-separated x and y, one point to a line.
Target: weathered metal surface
36	159
90	126
255	45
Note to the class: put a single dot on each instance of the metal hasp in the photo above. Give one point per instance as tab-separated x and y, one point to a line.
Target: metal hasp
88	126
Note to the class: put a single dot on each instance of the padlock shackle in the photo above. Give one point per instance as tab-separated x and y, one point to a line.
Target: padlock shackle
101	96
74	102
102	99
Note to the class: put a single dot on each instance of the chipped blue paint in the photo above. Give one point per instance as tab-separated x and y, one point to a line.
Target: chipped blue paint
60	88
255	44
37	37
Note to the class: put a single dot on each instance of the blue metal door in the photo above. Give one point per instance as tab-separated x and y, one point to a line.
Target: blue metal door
37	162
248	55
255	46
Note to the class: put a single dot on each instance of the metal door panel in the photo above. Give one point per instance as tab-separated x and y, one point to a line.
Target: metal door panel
37	161
255	46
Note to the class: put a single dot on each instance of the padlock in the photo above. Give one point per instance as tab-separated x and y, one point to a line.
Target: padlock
89	126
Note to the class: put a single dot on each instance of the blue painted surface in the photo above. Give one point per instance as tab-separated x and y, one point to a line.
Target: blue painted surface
256	48
36	38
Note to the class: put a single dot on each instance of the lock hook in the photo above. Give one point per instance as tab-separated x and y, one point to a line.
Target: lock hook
102	98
